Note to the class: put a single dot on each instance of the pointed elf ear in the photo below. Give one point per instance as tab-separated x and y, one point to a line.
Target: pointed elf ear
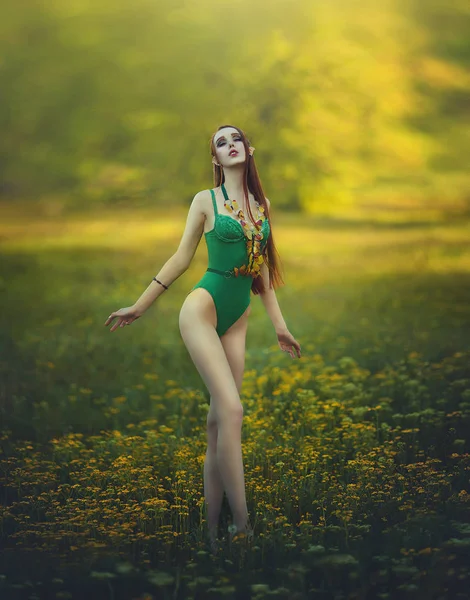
215	161
251	149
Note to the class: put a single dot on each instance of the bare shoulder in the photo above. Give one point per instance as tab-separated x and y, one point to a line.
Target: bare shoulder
268	202
202	194
202	200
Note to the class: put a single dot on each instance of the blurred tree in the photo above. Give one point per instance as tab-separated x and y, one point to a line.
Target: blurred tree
345	101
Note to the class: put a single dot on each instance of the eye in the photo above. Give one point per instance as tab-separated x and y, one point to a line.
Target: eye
222	142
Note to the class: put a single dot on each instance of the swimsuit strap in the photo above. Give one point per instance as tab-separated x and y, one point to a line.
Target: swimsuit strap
224	191
214	203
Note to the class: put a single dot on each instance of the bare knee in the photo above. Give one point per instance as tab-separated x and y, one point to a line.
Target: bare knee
231	415
231	422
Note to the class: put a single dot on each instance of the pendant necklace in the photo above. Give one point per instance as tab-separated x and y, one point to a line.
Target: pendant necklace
253	234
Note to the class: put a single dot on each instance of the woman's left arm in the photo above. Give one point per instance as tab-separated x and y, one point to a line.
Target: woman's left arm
286	340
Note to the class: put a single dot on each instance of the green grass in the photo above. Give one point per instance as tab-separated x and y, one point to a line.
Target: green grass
356	455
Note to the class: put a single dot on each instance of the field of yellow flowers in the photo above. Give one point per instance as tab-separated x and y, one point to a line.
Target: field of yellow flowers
356	456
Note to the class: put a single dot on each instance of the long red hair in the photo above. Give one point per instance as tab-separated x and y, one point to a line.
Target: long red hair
252	182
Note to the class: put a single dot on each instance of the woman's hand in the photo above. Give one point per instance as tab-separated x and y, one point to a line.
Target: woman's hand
288	343
124	316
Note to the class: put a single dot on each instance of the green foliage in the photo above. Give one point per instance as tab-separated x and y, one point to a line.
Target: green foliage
347	102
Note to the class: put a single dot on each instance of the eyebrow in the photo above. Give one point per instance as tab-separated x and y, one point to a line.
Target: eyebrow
222	137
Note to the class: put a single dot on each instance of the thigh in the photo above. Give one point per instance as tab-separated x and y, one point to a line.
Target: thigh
198	304
197	328
234	345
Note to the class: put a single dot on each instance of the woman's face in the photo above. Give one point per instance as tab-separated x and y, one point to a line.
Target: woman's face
227	140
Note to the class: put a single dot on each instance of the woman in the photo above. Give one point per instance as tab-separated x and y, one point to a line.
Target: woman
214	316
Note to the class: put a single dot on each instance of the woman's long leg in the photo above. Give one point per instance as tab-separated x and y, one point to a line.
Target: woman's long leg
233	342
208	355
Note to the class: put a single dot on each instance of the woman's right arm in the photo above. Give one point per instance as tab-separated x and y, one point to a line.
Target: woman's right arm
179	262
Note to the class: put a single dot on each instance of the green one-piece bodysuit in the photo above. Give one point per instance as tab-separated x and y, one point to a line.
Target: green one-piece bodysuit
227	248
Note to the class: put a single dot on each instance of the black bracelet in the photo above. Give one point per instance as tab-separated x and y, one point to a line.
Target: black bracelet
155	279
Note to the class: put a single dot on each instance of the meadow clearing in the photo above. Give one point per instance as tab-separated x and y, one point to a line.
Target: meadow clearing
356	456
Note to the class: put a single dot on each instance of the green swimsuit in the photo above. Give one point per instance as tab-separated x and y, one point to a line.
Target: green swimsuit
226	248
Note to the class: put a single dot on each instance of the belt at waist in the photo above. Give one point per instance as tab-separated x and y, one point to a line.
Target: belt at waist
227	274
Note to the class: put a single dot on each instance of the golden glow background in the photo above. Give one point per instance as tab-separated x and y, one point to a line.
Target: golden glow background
349	104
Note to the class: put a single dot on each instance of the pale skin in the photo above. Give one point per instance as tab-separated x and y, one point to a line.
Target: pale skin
220	361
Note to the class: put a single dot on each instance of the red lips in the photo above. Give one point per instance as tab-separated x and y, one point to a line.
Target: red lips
232	152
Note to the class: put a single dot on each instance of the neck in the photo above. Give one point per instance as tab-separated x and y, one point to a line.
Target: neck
234	182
